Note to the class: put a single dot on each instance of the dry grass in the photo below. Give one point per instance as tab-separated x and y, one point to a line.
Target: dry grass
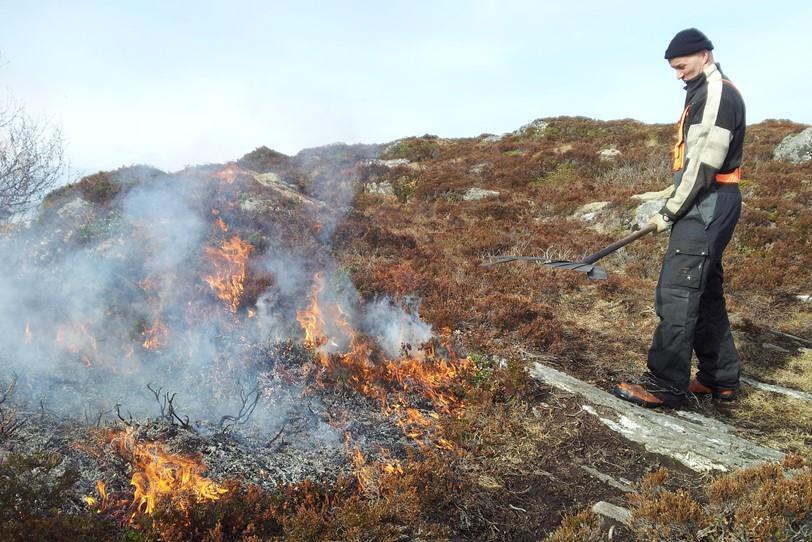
768	502
581	527
777	421
794	372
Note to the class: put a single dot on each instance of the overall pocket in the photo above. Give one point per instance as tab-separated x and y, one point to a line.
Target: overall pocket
684	266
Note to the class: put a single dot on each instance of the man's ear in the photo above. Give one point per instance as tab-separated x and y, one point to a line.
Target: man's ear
705	57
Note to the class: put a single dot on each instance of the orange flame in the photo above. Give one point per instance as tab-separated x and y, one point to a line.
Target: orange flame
157	335
316	322
229	262
220	225
159	475
102	491
77	339
433	378
312	319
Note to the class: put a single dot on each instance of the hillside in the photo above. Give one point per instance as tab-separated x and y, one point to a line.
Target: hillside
308	348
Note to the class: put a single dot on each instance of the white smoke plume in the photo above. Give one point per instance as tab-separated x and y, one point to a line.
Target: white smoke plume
87	287
395	329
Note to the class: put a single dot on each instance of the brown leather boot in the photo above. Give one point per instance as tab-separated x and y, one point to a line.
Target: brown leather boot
637	394
722	394
698	388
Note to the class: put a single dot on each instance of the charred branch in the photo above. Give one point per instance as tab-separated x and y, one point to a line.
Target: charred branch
248	402
95	417
129	421
166	402
278	434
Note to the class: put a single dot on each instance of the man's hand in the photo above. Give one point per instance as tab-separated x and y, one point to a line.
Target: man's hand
662	194
662	222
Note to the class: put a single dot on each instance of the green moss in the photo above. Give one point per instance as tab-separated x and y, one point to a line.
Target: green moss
563	174
414	149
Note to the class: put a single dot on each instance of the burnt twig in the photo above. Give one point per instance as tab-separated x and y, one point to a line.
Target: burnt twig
278	434
167	406
173	415
99	415
249	402
120	417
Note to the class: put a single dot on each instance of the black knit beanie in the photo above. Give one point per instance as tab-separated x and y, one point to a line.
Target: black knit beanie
687	42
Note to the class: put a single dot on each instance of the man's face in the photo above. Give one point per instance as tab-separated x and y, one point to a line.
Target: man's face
688	67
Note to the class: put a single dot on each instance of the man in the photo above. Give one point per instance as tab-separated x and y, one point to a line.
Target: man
701	211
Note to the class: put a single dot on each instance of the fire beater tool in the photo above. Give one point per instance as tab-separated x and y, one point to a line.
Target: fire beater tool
587	265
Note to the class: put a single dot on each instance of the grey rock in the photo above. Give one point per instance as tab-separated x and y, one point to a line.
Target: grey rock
397	162
796	148
493	138
474	194
645	210
590	211
789	392
383	189
74	209
535	128
774	348
268	179
612	512
609	154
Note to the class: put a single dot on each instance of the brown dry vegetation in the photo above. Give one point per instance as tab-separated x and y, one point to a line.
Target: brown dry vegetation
516	473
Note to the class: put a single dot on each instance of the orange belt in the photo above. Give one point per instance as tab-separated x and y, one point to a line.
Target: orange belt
729	178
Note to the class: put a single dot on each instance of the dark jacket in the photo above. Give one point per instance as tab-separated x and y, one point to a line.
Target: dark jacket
713	132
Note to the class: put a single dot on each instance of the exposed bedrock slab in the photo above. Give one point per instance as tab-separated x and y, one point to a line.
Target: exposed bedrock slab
698	442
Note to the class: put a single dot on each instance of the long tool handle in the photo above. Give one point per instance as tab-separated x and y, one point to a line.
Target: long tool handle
592	258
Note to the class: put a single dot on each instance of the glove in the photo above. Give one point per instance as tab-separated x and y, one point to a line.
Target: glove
648	196
662	222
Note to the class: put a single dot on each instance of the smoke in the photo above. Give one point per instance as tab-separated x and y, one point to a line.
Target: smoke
395	329
100	301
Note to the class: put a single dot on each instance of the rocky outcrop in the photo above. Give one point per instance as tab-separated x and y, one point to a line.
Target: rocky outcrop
532	129
796	148
700	443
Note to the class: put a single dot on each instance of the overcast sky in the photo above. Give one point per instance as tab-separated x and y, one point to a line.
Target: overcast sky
175	83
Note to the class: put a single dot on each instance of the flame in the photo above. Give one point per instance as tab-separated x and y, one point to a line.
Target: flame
157	335
391	382
229	262
220	225
77	339
28	334
312	319
102	491
159	475
324	328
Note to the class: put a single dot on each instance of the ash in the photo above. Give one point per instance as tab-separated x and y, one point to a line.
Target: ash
298	430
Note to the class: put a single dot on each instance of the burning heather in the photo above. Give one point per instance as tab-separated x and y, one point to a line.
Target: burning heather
204	305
